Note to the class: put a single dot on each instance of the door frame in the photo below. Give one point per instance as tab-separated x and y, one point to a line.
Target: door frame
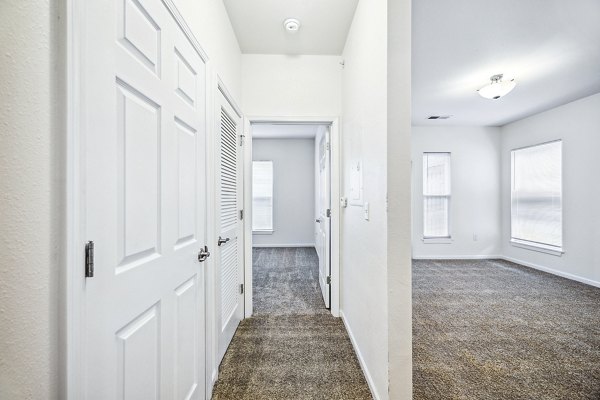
335	132
72	309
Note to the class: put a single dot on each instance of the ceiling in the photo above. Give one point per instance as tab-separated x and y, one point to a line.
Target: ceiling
550	47
284	131
258	25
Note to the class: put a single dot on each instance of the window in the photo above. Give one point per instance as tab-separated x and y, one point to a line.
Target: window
436	195
536	196
262	196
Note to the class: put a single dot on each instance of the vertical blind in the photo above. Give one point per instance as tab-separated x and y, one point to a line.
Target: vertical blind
536	195
262	195
436	195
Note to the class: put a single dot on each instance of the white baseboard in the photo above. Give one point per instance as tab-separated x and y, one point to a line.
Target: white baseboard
462	257
284	245
361	360
553	271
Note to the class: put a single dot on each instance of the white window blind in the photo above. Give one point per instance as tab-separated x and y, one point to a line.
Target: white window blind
262	195
536	196
436	195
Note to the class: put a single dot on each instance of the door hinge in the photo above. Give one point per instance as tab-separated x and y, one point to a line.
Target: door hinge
329	280
241	214
242	288
242	139
89	259
328	213
328	147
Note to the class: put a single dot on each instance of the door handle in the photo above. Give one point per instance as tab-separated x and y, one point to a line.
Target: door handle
203	254
318	220
221	241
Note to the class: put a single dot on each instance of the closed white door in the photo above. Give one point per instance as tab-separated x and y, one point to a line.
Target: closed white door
230	268
143	131
323	239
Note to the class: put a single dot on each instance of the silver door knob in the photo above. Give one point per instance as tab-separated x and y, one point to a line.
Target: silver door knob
203	254
221	241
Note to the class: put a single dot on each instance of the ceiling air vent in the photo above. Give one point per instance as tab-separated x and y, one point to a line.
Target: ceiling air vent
439	117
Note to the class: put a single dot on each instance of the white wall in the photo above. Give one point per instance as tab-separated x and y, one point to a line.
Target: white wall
291	86
399	265
578	125
364	243
475	203
210	23
293	190
32	202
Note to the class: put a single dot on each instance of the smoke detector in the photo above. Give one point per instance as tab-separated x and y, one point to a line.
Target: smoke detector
291	25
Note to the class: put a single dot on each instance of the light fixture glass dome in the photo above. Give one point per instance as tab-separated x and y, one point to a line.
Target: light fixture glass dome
497	87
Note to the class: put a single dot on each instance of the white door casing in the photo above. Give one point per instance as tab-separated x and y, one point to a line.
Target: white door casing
323	239
229	257
143	113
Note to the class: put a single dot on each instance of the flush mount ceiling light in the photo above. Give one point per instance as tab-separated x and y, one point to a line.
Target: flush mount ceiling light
291	25
497	87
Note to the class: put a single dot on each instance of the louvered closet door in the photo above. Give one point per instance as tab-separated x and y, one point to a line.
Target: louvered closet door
230	262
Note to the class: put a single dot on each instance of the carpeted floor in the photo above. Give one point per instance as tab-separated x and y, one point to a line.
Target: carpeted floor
292	348
497	330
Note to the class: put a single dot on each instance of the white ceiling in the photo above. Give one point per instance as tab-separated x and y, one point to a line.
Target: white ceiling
550	47
258	25
284	131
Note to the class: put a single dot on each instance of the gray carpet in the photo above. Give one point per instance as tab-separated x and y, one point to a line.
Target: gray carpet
292	348
497	330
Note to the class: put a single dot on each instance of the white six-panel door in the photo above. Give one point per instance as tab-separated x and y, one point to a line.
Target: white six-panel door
143	88
230	270
323	240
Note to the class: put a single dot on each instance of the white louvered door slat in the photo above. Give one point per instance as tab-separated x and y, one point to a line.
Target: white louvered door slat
230	268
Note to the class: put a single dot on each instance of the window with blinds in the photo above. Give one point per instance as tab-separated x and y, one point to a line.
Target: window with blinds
262	196
436	195
536	196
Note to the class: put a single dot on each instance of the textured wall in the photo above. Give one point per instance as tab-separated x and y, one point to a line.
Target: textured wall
577	124
31	187
475	185
293	190
280	85
364	243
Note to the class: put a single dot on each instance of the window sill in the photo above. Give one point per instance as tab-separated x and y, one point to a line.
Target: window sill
437	240
537	247
263	232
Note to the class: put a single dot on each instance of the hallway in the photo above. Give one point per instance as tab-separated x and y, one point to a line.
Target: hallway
292	348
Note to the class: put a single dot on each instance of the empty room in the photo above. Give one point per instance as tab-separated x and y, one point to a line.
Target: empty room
505	233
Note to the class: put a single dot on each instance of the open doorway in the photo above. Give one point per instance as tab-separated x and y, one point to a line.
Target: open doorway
292	257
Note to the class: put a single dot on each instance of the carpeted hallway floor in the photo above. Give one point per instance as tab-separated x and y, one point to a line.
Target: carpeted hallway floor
292	348
497	330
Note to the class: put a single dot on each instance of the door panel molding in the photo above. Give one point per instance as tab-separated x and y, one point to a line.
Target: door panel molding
73	297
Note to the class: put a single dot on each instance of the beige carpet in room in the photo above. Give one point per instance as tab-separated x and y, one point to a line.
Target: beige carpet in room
498	330
292	348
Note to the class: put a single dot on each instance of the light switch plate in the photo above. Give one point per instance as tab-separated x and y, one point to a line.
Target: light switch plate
366	210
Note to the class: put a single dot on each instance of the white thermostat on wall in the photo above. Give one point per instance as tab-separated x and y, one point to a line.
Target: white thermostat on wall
356	183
